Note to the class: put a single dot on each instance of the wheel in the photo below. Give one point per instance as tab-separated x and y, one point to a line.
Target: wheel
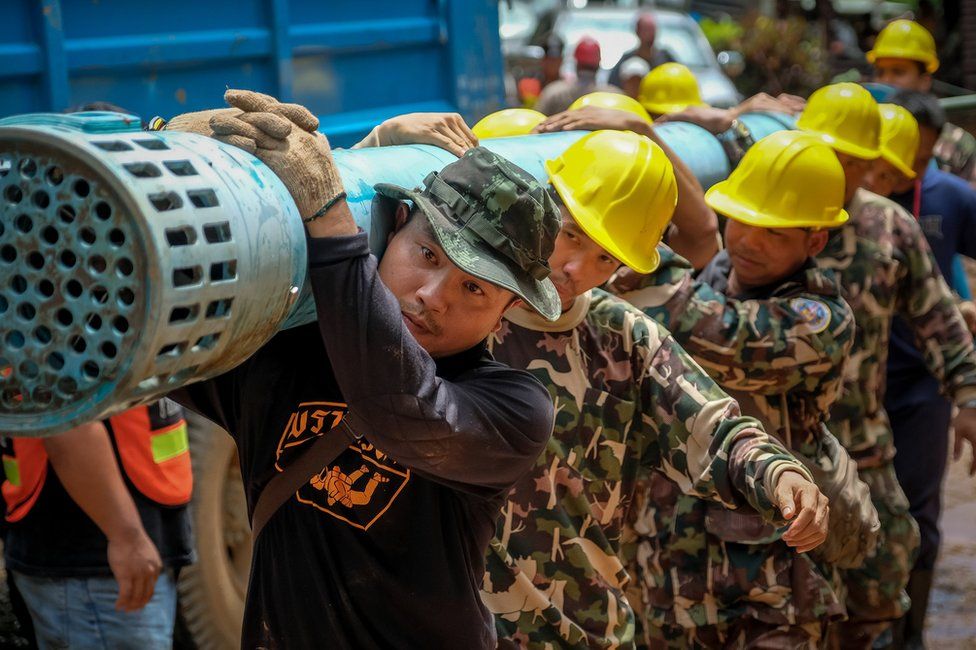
211	592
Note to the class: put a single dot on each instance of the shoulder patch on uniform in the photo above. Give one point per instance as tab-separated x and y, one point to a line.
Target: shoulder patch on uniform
816	313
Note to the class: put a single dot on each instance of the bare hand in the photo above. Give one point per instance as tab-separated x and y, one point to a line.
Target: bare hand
594	118
135	564
714	120
445	130
765	102
802	503
965	430
794	103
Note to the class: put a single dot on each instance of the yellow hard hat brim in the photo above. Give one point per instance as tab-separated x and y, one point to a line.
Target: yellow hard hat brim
726	204
931	65
664	109
587	221
897	163
844	146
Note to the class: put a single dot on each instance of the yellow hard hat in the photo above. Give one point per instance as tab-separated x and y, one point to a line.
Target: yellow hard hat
905	39
615	101
899	138
508	122
669	88
621	190
845	116
789	179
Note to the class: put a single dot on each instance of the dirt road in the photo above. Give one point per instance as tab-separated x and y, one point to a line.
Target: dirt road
952	612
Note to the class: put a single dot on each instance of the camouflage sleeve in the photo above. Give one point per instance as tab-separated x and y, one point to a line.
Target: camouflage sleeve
955	152
695	435
929	308
761	346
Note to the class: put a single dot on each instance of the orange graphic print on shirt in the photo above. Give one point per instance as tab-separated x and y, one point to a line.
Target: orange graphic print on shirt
359	486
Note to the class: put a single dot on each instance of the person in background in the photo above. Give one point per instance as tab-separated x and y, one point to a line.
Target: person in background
98	528
552	59
669	88
886	268
557	96
632	72
646	30
904	56
945	207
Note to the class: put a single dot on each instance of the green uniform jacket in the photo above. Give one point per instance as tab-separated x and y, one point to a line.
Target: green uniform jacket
627	399
886	268
955	152
780	351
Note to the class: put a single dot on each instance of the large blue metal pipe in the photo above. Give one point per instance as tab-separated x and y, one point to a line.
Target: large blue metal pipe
132	263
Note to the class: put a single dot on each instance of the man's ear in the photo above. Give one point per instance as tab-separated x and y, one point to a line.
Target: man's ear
400	218
516	302
817	242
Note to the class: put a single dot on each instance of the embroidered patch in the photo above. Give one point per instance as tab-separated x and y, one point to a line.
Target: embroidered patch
816	313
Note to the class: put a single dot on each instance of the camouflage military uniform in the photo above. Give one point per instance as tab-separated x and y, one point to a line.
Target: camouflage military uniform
886	268
955	152
627	398
779	351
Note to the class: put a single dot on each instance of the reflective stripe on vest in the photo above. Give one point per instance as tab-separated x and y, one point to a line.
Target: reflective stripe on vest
25	470
155	452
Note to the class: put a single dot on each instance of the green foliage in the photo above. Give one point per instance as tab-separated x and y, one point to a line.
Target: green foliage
782	55
722	34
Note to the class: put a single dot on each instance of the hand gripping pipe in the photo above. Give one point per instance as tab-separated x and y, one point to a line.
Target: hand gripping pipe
133	263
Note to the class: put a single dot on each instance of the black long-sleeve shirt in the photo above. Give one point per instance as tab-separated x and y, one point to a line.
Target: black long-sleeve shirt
385	548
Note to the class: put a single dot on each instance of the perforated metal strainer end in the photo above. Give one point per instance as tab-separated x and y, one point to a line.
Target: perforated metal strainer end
72	283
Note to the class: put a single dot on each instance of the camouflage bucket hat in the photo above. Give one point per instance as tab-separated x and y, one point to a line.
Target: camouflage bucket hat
494	221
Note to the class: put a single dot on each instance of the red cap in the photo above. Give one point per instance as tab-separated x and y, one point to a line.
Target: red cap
587	53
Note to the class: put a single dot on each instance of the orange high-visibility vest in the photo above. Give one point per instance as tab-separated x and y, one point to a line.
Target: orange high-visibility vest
152	448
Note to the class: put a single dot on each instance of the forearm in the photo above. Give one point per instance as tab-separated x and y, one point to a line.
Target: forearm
756	463
740	465
695	233
85	464
702	442
939	328
947	347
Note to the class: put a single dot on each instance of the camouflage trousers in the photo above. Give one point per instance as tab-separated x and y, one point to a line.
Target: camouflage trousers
745	633
876	591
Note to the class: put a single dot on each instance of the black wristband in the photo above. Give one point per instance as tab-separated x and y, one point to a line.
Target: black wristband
325	208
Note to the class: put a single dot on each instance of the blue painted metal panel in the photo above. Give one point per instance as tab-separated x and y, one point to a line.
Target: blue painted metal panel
354	63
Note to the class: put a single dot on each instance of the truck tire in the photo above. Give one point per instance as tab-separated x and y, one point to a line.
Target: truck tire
211	591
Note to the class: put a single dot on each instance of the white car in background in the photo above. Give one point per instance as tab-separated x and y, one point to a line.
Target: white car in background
677	33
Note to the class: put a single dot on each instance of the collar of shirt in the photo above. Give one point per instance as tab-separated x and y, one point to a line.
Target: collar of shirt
716	275
568	320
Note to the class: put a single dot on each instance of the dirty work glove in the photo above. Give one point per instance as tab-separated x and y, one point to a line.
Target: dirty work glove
197	122
445	130
282	136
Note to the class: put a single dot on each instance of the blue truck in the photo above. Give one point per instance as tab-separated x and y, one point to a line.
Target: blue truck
353	63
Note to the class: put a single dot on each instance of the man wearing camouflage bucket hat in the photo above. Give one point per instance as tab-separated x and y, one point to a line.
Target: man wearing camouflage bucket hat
383	545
